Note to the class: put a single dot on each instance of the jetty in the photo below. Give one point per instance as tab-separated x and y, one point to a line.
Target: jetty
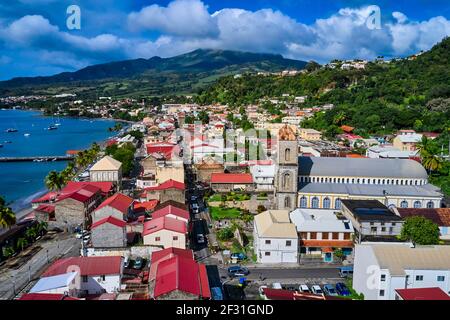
37	158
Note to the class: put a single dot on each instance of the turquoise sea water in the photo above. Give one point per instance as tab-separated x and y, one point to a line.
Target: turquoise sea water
22	181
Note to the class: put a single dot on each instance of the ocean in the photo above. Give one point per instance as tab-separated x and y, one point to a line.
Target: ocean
20	182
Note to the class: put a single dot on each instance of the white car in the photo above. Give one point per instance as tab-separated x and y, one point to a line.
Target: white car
304	288
316	289
200	238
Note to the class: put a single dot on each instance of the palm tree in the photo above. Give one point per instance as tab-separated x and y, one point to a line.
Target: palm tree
432	163
54	181
31	234
42	227
21	243
7	217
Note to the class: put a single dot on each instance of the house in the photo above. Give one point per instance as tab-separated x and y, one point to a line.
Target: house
175	275
165	232
119	206
96	275
107	169
171	203
169	190
440	216
45	212
157	168
406	140
58	284
206	168
310	134
372	220
321	232
263	176
275	237
225	182
109	232
172	212
412	294
380	269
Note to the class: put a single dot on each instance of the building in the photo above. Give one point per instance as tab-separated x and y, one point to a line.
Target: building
275	237
206	168
118	206
389	152
434	293
169	190
165	232
107	169
310	134
157	168
380	269
225	182
172	212
321	232
440	216
372	220
59	284
175	275
406	140
109	232
286	181
96	275
325	181
263	177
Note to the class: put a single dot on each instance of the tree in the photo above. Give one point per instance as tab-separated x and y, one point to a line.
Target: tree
225	234
7	217
420	230
31	234
54	181
312	66
21	243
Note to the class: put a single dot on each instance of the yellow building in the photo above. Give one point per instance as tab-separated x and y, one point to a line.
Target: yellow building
310	134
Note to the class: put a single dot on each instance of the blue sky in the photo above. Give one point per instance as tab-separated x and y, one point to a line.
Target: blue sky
34	38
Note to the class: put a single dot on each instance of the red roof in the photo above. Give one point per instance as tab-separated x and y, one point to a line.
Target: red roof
85	194
278	294
171	210
73	187
168	252
88	266
347	128
164	223
106	187
147	205
440	216
422	294
111	220
169	184
231	178
118	201
46	296
47	208
328	243
161	147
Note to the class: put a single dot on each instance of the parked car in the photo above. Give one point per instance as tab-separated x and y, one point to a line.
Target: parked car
126	262
304	288
342	289
138	263
277	285
238	256
329	290
200	238
237	271
345	272
316	289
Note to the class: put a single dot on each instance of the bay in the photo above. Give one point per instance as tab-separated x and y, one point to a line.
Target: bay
22	181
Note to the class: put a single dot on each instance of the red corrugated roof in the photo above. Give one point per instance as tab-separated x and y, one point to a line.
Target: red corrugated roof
158	255
422	294
231	178
47	208
118	201
164	223
73	187
440	216
278	294
327	243
171	210
204	283
147	205
46	296
82	195
169	184
89	266
111	220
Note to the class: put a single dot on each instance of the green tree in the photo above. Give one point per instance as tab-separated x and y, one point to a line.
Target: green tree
420	230
54	181
21	243
7	216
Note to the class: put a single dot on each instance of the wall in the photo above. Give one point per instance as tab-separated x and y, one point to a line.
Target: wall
108	235
107	212
166	239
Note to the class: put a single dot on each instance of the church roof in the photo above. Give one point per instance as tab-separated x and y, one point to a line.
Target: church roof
286	134
361	167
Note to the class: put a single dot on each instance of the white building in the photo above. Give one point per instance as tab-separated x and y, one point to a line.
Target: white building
263	176
275	237
107	169
59	284
379	269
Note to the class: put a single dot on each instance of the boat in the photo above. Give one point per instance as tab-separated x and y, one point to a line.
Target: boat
52	127
27	134
11	130
1	146
7	142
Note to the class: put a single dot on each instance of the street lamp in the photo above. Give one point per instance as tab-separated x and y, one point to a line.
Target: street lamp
48	261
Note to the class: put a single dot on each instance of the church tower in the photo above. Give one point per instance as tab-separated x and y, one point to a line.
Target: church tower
286	180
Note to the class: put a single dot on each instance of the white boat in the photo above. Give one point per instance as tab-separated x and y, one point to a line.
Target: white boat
27	134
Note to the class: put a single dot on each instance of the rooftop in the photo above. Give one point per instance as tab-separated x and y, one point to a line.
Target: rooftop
275	224
107	163
422	294
440	216
164	223
319	220
87	266
244	178
369	210
118	201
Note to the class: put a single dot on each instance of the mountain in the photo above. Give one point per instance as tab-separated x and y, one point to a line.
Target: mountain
194	67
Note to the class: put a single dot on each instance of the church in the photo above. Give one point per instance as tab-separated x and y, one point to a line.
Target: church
323	182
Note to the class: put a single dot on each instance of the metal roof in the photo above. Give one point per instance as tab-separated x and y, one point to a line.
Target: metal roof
54	282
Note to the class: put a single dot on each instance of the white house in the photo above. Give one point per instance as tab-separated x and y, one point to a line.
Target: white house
59	284
379	269
275	237
107	169
263	176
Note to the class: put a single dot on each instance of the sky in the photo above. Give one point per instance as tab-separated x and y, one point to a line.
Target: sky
35	39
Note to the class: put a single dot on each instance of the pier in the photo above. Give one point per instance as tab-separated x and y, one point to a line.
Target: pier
37	158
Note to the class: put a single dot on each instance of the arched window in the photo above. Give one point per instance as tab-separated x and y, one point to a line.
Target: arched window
337	203
303	202
315	203
416	183
326	203
417	204
287	154
430	204
404	204
287	202
286	182
353	180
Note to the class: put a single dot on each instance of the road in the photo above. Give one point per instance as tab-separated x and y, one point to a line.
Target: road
289	273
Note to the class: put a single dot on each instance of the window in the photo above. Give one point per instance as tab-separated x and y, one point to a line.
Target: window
286	182
288	243
315	203
85	278
267	253
313	235
337	203
268	241
287	202
381	293
102	277
175	238
335	235
303	202
326	203
417	204
304	235
440	278
383	229
346	236
404	204
157	239
287	154
325	236
383	277
430	205
419	278
373	229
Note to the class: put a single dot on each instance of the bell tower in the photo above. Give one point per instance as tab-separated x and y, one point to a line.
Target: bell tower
286	181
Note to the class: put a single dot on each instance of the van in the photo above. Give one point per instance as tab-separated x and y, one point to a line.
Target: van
345	272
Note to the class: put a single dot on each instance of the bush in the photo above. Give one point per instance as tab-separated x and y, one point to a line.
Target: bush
225	234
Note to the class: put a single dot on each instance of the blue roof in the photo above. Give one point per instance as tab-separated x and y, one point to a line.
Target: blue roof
54	282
